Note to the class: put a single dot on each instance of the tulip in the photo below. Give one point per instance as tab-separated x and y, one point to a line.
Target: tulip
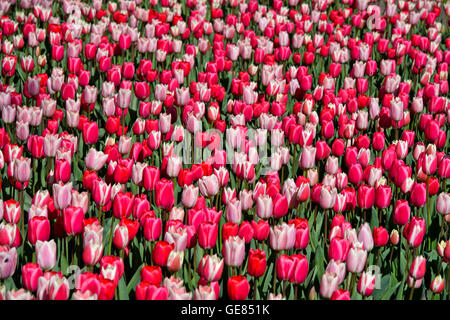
402	212
357	257
282	237
95	160
62	195
90	132
152	275
11	211
164	192
300	269
152	228
337	268
38	229
380	236
31	272
383	196
234	251
418	268
366	283
264	206
238	288
327	197
10	235
150	177
177	237
92	253
58	288
233	211
328	284
415	231
123	204
161	253
365	236
443	203
101	193
121	237
366	196
175	260
211	268
338	249
8	262
46	254
207	235
437	285
209	185
257	263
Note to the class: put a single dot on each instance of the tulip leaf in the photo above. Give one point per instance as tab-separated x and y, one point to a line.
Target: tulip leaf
381	287
64	263
134	280
123	291
269	275
319	260
392	287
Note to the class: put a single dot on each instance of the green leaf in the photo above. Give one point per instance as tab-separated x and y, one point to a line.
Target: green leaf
391	290
123	291
135	279
384	285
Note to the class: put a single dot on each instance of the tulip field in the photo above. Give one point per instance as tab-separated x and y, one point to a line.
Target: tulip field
224	150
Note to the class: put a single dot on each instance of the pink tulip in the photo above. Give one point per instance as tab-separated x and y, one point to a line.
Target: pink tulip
234	251
46	254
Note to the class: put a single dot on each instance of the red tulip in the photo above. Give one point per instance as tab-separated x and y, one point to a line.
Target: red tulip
418	195
123	204
300	269
73	220
164	193
338	249
238	288
38	229
341	294
207	235
380	236
152	275
257	263
383	196
90	132
418	268
415	231
366	196
161	253
31	272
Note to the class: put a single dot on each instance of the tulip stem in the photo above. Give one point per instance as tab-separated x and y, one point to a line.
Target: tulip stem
428	211
325	222
111	234
150	247
22	222
35	174
67	248
448	281
123	123
194	256
412	290
255	287
275	272
391	254
378	255
353	282
294	160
